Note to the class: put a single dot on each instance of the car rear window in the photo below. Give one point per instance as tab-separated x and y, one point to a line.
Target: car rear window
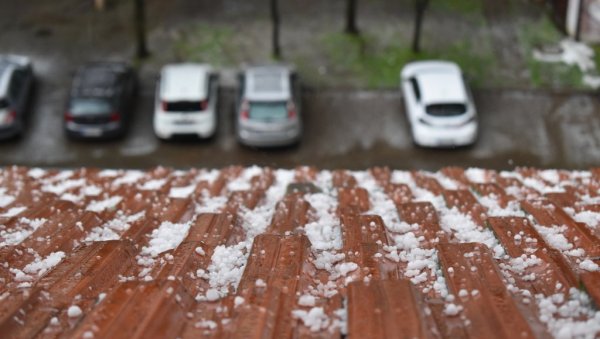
446	110
182	106
268	111
90	106
3	103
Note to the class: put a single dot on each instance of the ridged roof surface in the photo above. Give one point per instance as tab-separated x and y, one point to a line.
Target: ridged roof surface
257	252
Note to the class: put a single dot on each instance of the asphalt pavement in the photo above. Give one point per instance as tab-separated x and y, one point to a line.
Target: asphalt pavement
343	129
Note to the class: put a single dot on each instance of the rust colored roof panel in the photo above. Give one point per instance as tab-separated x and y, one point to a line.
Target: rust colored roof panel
428	182
466	203
424	215
550	215
457	174
272	253
354	198
399	193
388	309
138	310
492	190
478	285
290	214
383	175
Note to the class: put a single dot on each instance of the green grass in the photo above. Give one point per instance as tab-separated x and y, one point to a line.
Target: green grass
379	66
469	7
477	62
383	69
350	56
597	56
540	33
204	43
543	74
464	10
372	61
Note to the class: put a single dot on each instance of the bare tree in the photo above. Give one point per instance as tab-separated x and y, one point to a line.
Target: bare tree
420	7
140	29
275	36
351	27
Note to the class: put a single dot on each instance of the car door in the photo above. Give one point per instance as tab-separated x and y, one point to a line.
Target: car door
18	92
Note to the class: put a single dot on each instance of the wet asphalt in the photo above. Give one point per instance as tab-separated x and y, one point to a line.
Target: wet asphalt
342	129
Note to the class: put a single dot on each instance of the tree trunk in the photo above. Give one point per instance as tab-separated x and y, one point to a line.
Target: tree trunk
578	25
140	29
275	35
420	7
351	27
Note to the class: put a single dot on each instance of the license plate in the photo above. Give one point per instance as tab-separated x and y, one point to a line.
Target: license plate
92	132
184	122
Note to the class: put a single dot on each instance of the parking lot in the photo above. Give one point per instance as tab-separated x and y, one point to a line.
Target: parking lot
342	129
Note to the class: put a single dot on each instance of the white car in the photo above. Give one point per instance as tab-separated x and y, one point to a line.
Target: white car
438	103
186	101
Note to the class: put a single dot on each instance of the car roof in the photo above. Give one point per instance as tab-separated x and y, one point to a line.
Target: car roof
439	81
268	83
187	81
441	88
98	79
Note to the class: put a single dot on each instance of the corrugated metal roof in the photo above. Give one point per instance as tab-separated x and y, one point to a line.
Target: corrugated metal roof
256	252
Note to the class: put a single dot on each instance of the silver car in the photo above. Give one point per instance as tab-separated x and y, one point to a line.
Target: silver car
16	86
268	110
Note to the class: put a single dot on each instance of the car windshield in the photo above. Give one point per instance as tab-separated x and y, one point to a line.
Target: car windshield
3	103
183	106
446	110
90	106
268	111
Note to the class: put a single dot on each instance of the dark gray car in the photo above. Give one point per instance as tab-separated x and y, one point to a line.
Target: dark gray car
101	101
16	83
268	111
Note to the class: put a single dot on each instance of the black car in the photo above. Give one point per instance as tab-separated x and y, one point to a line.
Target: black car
101	101
16	83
